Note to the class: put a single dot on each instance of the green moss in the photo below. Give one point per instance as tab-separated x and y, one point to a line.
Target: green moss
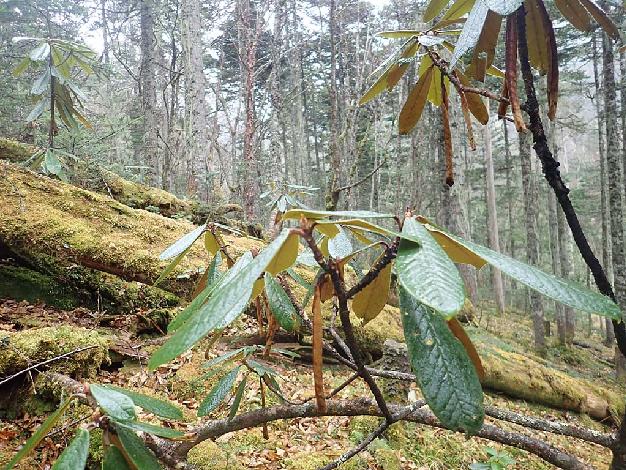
306	461
387	459
24	284
96	451
14	151
36	345
209	456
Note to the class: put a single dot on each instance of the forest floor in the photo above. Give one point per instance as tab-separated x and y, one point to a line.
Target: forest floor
305	444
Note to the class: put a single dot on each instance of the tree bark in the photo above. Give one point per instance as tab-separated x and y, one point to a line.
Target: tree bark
532	245
492	219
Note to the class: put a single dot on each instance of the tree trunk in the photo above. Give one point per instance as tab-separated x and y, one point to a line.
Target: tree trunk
196	112
149	91
532	245
333	178
492	219
614	175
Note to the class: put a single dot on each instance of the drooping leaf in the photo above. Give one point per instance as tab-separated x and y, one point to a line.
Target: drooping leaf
566	292
113	403
40	53
218	393
182	243
224	305
575	13
427	272
485	49
159	407
21	67
318	355
52	164
602	18
261	369
414	105
471	31
74	457
468	120
459	332
536	36
474	101
553	61
41	85
171	266
238	396
314	215
282	309
370	301
447	133
285	256
511	71
114	459
433	9
444	372
41	432
458	9
136	450
38	109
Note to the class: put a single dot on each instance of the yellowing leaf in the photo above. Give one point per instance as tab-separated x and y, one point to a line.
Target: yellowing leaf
327	228
397	70
285	257
575	13
414	105
536	36
458	9
210	243
369	302
258	287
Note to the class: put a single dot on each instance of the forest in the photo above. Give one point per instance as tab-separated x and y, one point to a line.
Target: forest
312	234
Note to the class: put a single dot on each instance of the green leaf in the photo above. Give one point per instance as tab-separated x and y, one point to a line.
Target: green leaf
41	432
114	459
238	396
283	310
52	164
40	86
314	215
182	243
471	31
442	368
74	457
226	357
40	53
21	67
156	406
224	305
261	369
136	450
427	273
458	9
567	292
38	109
171	266
400	34
151	429
218	393
203	296
114	404
433	9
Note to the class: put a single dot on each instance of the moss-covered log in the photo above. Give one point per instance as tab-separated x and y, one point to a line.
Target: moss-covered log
58	229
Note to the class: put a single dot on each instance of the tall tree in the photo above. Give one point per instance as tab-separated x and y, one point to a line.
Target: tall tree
532	244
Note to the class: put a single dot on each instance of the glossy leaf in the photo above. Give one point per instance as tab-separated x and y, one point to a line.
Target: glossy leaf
224	305
575	13
370	301
241	388
282	309
427	272
74	457
41	432
114	459
444	373
182	243
459	332
218	393
414	105
156	406
567	292
136	450
113	403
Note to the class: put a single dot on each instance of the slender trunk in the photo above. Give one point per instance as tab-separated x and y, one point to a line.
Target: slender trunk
492	219
532	244
332	181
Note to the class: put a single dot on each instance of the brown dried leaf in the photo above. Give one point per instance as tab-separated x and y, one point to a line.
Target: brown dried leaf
458	331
